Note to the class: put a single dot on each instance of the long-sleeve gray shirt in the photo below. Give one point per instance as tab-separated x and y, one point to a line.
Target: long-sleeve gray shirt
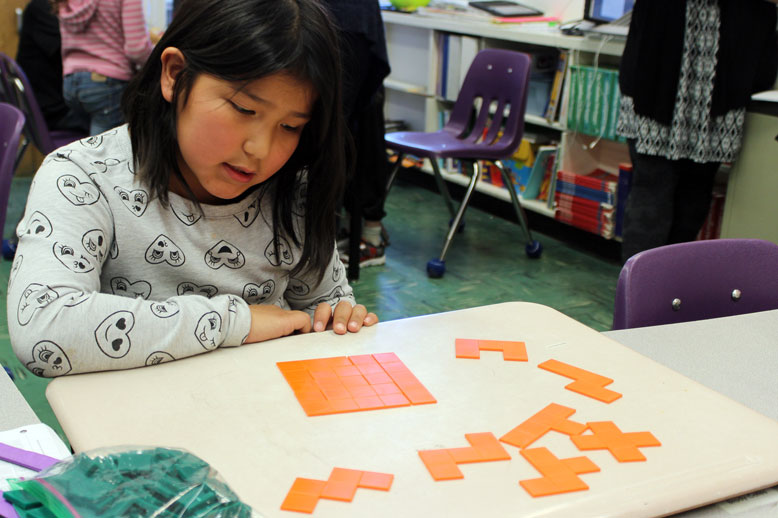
106	278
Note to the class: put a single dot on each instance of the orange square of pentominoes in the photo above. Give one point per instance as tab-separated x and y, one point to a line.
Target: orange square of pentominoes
353	383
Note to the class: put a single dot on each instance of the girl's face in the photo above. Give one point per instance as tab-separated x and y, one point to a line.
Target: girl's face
230	140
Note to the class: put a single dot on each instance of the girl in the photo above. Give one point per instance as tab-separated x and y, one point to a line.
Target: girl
103	44
208	220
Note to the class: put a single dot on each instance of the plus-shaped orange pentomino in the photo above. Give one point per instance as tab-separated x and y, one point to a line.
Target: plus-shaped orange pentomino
341	485
623	446
585	382
511	351
559	475
553	417
442	464
353	383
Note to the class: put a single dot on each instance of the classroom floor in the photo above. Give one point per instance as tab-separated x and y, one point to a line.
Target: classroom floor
486	264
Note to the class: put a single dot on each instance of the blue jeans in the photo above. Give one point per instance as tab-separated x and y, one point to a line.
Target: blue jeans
96	103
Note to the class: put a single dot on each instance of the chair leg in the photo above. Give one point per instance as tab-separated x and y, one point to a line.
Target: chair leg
461	212
442	188
393	173
507	180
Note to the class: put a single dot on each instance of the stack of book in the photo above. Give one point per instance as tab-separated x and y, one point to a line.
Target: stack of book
593	202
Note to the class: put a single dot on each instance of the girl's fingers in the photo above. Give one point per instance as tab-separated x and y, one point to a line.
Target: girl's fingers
321	317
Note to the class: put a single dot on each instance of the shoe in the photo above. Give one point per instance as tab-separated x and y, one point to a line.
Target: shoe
369	255
9	249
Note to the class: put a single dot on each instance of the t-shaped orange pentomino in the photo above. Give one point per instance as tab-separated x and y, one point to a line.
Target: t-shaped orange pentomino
586	383
511	351
552	417
341	485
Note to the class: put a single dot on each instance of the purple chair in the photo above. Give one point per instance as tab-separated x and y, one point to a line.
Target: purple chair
696	280
17	89
11	124
487	123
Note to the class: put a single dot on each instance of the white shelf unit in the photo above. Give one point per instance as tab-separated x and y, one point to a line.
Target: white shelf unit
411	86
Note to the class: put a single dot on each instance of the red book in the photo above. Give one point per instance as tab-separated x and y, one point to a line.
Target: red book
598	179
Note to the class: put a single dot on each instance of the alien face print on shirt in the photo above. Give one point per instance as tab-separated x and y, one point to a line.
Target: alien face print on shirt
95	244
281	256
224	254
73	261
113	334
102	166
34	297
164	250
158	357
48	360
258	293
136	200
38	225
191	288
297	288
15	267
125	288
208	329
186	212
247	217
165	309
76	191
332	298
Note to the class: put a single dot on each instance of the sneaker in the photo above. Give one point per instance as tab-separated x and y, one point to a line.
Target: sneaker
369	255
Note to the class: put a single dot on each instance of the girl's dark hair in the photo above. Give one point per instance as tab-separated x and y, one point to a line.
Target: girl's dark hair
241	41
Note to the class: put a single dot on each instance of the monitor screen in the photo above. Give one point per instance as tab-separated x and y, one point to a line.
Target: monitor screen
604	11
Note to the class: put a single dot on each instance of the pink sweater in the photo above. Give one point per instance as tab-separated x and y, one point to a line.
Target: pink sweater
104	36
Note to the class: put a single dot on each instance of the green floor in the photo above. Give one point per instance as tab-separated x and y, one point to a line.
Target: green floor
485	265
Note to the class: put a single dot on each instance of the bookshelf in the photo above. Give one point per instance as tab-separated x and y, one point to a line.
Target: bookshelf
413	91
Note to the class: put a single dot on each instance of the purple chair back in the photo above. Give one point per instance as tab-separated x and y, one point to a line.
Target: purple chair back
497	80
22	96
11	124
695	281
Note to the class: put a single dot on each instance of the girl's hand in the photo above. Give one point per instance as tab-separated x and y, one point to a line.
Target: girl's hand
270	321
346	318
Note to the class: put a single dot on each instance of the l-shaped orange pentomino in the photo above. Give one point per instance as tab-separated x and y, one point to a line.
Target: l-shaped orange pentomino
341	485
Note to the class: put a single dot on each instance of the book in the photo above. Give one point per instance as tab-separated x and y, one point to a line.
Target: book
594	225
622	192
454	62
470	46
541	78
541	169
598	179
552	108
585	192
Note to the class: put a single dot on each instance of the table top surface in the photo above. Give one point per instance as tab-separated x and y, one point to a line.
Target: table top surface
234	409
735	356
16	411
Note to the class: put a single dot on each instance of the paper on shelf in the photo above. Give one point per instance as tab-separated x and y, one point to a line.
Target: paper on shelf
39	438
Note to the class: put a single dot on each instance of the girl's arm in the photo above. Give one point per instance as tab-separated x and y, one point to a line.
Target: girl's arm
61	318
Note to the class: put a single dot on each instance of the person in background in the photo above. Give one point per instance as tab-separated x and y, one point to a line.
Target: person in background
208	220
688	70
103	44
39	55
365	65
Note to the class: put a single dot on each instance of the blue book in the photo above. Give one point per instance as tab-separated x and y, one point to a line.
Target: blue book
585	192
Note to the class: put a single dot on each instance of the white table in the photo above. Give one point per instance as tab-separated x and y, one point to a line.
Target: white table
736	356
14	411
233	408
